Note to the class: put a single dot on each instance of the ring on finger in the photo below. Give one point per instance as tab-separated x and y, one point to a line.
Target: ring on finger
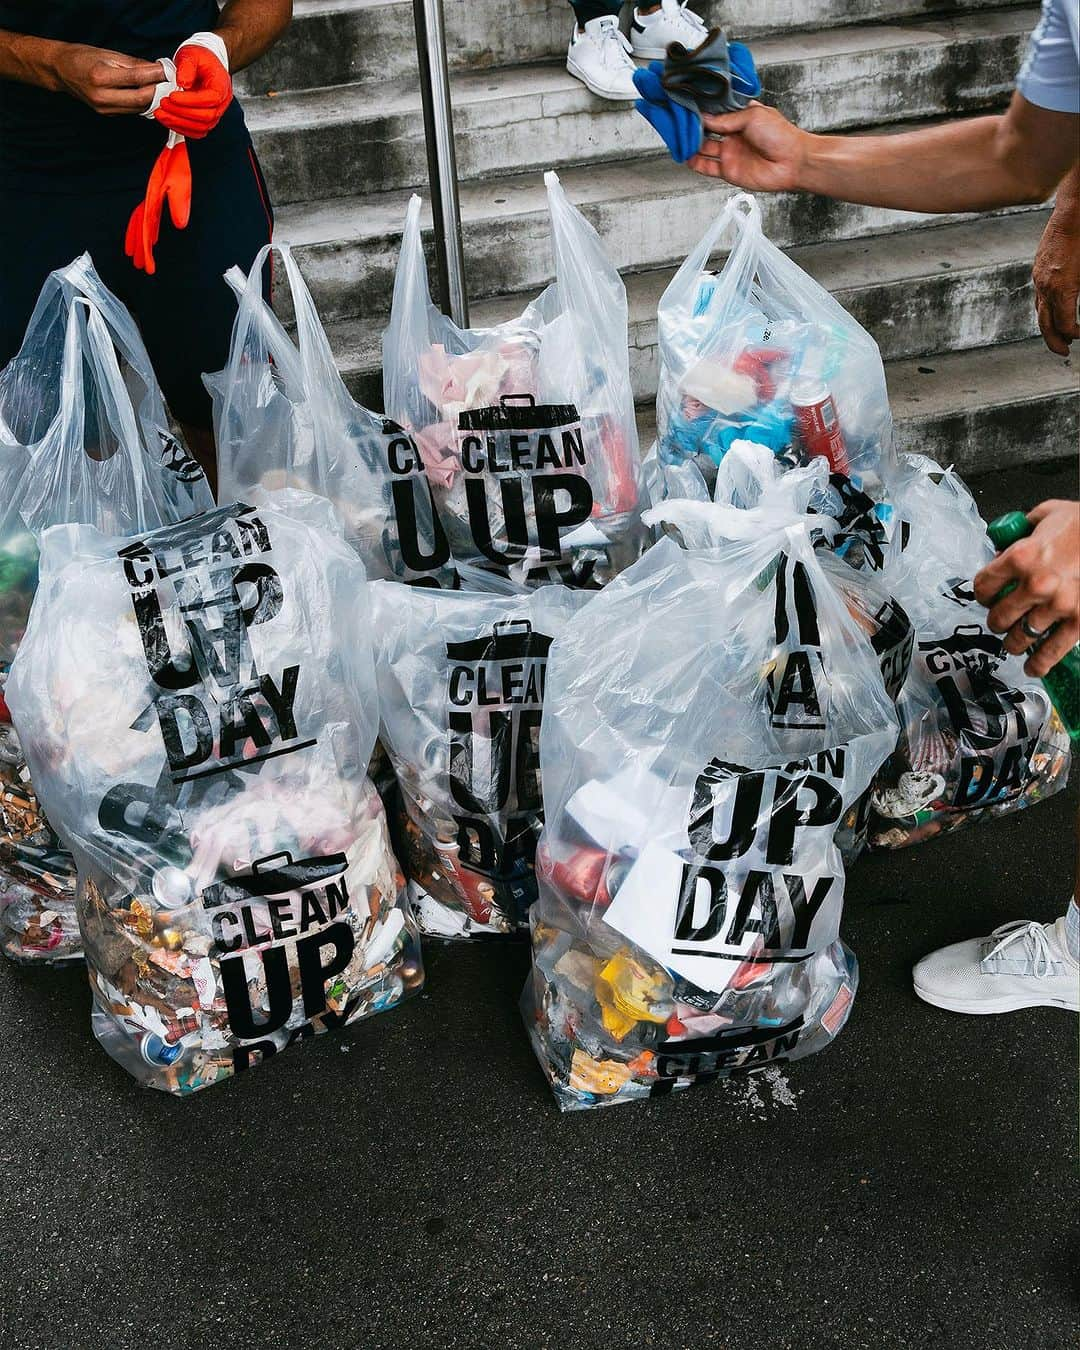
1036	634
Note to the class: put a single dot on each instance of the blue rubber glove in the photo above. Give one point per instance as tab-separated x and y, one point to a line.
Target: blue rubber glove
745	81
679	128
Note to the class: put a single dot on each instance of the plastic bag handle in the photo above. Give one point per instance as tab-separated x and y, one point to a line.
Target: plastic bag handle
260	863
110	382
526	400
743	211
412	295
315	351
254	314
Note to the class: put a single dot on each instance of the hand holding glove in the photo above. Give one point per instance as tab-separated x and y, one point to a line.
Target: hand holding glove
190	101
204	87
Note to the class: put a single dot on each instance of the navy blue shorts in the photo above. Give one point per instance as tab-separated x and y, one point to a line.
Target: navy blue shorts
185	310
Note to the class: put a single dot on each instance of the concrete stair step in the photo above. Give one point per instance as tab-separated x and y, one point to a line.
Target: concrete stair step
362	138
344	41
648	212
988	409
945	288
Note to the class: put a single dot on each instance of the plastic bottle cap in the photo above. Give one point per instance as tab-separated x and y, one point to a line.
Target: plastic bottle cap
1007	529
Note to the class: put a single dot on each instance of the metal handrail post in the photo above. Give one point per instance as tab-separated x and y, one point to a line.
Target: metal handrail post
442	161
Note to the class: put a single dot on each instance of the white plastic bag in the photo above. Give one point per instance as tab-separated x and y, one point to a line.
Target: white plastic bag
710	717
761	352
526	429
461	688
84	437
979	738
284	418
851	545
198	706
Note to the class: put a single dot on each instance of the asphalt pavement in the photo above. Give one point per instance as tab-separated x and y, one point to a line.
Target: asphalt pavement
411	1184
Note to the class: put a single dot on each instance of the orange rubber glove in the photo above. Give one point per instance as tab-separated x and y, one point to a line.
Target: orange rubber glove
205	88
170	180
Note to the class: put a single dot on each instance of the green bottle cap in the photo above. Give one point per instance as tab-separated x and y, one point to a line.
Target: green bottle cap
1007	529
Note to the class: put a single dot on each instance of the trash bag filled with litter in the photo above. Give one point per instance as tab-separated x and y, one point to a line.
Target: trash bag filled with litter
461	686
526	429
84	437
284	418
851	551
710	718
759	351
198	707
978	737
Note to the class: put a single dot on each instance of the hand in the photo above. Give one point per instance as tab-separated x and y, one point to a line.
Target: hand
109	82
1046	569
757	148
170	180
205	92
1056	275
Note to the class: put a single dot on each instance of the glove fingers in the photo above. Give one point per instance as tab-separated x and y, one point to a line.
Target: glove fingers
155	201
186	126
133	232
179	188
188	60
192	99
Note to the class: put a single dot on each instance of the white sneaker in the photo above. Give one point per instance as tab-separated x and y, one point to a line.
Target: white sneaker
652	34
600	58
1020	965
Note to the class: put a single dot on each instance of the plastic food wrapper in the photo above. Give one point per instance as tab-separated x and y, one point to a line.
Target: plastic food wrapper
979	738
697	765
761	352
284	418
198	707
84	437
461	686
526	429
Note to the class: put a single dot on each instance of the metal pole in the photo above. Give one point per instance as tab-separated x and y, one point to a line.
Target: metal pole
442	163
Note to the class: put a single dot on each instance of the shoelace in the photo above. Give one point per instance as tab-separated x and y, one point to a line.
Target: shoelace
1024	930
614	49
684	14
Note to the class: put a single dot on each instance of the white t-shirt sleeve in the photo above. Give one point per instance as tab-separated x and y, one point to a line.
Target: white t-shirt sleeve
1050	75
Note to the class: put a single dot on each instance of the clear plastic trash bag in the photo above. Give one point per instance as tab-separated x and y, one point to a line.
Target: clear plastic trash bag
84	437
526	429
461	687
284	418
710	718
759	351
198	707
851	551
979	738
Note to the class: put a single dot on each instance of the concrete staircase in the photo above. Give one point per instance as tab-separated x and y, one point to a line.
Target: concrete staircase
335	112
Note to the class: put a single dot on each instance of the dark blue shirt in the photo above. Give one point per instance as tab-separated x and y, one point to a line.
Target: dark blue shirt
53	141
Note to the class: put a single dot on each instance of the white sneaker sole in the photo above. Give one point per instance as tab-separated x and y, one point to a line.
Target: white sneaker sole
579	74
649	53
997	1005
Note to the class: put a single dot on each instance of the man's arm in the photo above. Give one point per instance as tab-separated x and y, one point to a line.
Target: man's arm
251	27
1056	273
109	82
972	165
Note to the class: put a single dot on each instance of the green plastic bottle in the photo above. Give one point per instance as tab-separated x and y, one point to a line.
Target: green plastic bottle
1063	682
